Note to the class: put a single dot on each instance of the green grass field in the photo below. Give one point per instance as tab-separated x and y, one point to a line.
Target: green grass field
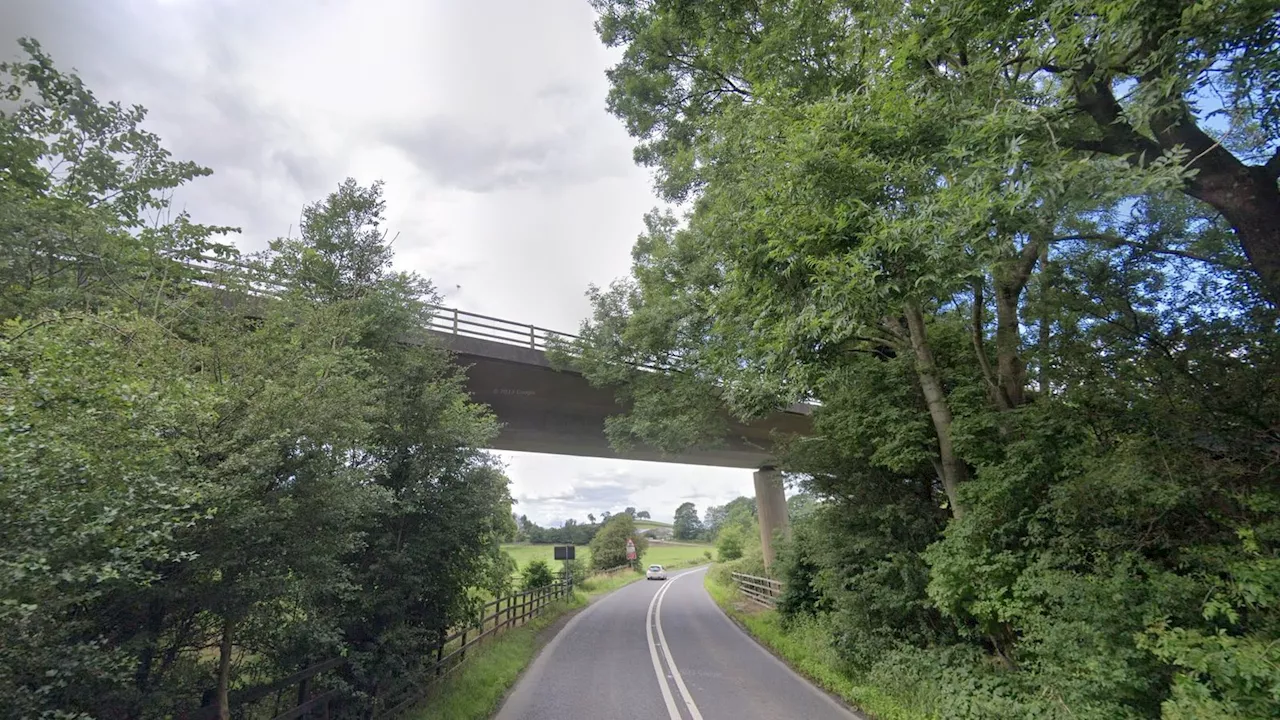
524	553
666	555
643	524
676	555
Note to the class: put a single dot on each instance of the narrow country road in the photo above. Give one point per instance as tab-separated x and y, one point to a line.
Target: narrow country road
662	651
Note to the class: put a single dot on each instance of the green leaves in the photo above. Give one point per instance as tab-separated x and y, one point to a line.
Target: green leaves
182	465
536	574
687	526
79	149
609	546
1034	219
84	194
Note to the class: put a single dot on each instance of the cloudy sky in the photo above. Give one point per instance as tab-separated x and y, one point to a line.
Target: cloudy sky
509	183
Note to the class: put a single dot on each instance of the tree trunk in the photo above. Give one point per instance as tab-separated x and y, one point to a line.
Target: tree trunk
1249	199
1010	371
1010	279
147	655
224	670
1042	342
953	469
1246	195
980	346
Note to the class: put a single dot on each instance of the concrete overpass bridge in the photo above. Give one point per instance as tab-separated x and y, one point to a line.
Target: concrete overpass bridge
553	411
545	410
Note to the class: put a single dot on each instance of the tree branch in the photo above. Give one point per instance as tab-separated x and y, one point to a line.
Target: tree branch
1027	258
1272	167
979	342
693	67
1117	240
1093	95
1177	127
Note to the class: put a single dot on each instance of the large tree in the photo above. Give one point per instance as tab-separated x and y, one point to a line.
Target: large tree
609	546
908	213
445	506
214	473
1178	87
687	526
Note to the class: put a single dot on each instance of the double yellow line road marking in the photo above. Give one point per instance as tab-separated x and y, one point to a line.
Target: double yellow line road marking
653	621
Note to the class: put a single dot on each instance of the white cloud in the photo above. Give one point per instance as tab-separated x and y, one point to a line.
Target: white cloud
552	488
509	183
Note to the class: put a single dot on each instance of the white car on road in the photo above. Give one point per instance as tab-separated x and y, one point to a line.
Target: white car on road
656	573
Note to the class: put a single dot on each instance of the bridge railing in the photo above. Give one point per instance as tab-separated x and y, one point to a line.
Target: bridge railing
468	324
255	280
220	273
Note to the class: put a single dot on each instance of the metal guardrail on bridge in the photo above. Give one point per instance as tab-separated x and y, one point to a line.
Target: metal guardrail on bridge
468	324
255	280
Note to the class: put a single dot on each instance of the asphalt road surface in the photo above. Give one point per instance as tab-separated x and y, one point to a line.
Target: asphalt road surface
662	651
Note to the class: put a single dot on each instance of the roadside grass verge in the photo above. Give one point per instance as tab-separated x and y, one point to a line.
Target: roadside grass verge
474	690
525	553
601	584
806	647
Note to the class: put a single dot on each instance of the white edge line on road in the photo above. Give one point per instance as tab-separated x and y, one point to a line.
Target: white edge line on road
666	651
517	696
784	667
672	710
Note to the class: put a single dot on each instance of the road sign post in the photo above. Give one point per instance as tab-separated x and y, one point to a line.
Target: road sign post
565	553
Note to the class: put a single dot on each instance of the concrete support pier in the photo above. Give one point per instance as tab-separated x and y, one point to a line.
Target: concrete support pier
771	506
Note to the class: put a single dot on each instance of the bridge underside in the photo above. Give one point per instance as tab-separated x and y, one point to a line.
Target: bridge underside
548	411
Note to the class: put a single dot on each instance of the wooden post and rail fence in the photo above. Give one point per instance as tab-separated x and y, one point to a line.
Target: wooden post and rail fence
760	590
316	691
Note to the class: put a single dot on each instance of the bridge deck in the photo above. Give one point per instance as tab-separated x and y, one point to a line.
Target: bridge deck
550	411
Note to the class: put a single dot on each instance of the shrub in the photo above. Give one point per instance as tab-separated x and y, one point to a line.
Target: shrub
729	544
577	570
537	574
609	546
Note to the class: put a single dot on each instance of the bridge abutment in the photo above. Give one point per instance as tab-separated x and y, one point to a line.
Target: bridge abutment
771	507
